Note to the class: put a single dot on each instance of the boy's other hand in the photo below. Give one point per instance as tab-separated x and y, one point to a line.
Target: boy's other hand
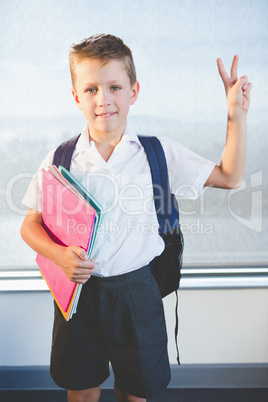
237	89
74	262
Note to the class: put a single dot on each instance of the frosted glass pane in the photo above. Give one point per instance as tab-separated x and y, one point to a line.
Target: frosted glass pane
175	46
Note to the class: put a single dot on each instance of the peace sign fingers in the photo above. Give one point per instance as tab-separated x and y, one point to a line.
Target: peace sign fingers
234	69
237	90
228	81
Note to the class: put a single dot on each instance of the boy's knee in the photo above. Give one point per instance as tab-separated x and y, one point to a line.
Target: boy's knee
87	395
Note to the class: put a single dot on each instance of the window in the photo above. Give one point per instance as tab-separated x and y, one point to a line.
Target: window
175	47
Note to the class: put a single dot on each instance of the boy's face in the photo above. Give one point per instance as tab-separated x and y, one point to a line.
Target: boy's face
104	94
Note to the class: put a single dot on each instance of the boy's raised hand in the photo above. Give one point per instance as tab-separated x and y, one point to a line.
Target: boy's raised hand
237	89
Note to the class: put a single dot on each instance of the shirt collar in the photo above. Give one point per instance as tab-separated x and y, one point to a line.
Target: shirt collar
129	135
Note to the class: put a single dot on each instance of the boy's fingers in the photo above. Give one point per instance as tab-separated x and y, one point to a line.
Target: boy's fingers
249	87
83	261
234	68
83	271
228	81
80	253
242	83
247	91
83	255
80	278
88	264
222	70
224	76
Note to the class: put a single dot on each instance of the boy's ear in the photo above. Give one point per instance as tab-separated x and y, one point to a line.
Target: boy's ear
76	98
134	92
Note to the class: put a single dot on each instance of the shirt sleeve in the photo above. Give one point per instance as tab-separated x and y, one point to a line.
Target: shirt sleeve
33	195
188	171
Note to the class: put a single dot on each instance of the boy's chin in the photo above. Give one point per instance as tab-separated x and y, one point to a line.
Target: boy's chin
106	128
109	125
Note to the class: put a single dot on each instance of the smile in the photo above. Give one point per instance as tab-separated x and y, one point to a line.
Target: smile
106	114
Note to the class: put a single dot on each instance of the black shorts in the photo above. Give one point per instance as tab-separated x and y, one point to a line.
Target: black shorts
120	320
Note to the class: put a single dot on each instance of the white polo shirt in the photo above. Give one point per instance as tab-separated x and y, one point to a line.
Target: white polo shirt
128	233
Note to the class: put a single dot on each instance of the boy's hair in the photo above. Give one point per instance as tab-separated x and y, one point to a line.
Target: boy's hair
103	47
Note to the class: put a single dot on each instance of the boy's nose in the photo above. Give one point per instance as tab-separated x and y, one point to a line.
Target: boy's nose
103	98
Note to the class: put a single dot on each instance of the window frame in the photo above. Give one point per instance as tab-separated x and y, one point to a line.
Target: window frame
248	276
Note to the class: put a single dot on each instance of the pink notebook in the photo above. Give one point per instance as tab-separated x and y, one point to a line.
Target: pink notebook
69	220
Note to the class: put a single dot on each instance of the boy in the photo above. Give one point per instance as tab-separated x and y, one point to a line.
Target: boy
120	314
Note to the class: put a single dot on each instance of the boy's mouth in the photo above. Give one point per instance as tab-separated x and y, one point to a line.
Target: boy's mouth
105	115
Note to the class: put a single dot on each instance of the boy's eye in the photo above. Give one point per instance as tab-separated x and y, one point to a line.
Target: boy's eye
91	90
115	88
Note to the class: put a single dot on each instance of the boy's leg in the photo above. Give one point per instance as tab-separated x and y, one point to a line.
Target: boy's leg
123	397
93	395
79	359
87	395
134	329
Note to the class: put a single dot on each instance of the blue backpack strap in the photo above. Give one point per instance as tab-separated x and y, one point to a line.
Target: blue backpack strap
157	179
165	202
63	154
170	202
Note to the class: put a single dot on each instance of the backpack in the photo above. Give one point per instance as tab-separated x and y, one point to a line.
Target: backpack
166	268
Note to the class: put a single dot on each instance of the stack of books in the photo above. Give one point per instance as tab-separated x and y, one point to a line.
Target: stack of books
71	216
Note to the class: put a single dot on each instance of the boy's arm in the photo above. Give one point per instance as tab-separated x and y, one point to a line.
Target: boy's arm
230	172
72	260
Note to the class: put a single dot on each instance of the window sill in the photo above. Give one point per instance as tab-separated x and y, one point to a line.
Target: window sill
224	276
193	277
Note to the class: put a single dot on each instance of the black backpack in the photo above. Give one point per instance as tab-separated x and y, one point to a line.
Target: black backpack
166	268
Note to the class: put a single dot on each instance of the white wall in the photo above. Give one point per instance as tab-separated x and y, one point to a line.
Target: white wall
216	326
221	326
